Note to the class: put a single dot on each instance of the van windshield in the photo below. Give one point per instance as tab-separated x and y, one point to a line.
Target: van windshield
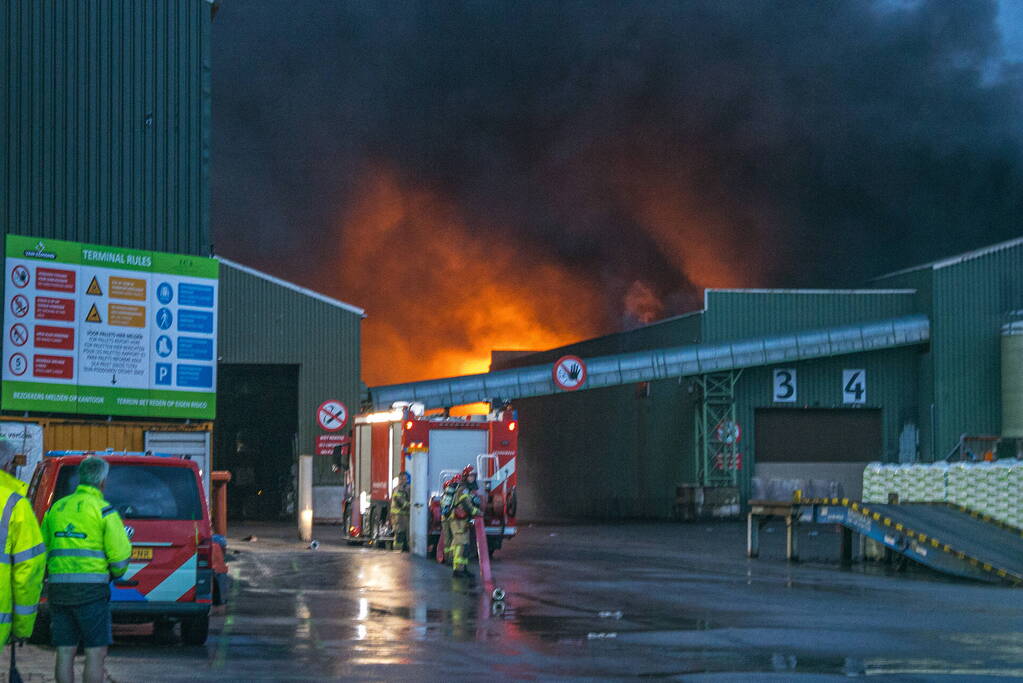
143	492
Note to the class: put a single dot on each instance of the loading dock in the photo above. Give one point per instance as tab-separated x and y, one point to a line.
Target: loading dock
826	443
948	538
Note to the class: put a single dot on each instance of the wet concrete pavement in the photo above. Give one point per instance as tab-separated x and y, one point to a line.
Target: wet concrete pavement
664	601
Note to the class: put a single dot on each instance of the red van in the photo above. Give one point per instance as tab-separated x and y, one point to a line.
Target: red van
174	559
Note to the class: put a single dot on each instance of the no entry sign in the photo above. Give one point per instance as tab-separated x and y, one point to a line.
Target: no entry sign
332	415
569	373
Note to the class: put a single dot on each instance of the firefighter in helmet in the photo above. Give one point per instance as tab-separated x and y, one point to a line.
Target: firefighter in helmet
400	504
447	502
464	509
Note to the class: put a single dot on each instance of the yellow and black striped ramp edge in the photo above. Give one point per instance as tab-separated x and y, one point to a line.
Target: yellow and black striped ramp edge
985	543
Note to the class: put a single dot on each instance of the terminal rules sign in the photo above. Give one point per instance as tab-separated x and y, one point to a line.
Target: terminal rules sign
108	331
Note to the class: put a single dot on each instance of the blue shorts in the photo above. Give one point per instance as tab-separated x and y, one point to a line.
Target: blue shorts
88	624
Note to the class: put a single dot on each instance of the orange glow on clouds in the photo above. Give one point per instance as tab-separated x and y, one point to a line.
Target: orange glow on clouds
440	295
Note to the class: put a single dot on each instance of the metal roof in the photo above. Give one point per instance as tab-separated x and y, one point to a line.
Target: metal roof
292	286
955	260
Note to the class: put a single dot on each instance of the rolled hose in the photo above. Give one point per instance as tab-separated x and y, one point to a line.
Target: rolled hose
513	502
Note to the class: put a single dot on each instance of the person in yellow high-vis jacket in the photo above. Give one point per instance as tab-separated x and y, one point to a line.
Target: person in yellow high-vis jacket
7	469
464	509
400	506
24	552
87	547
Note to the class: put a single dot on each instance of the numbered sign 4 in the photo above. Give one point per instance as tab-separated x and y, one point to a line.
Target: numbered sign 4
854	386
784	385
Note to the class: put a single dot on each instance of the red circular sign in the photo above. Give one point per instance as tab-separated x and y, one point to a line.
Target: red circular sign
728	432
18	364
332	415
20	276
18	334
20	306
569	373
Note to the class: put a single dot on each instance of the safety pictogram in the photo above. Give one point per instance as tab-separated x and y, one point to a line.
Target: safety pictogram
94	288
18	334
20	306
93	316
18	364
20	276
569	373
332	415
728	432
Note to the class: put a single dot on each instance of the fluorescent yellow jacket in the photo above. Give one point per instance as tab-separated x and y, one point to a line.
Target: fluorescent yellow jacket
13	483
25	554
399	502
86	539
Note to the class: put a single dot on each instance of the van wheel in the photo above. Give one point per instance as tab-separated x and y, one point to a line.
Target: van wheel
163	630
41	632
195	630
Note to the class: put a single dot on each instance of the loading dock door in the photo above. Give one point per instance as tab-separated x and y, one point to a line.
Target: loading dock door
818	435
819	444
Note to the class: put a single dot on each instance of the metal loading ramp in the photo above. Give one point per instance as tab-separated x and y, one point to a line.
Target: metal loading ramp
947	538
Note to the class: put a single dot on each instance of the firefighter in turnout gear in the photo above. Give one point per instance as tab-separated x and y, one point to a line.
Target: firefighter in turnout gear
463	510
400	504
447	502
88	546
22	581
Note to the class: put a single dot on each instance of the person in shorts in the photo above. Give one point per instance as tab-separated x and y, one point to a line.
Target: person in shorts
87	547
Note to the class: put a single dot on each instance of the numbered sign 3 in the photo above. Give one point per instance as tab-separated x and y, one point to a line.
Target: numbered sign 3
854	386
784	385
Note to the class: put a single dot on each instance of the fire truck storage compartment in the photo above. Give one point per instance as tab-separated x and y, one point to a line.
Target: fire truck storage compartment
831	444
453	449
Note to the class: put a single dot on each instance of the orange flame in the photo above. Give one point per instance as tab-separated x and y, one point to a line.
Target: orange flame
440	295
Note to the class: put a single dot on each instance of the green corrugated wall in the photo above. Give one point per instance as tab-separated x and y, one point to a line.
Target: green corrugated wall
967	300
971	299
892	376
609	453
105	122
265	323
739	314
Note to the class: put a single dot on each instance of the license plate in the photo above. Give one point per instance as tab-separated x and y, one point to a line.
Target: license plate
141	553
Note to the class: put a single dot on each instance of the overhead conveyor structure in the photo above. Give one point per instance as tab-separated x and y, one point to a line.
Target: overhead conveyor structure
947	538
672	362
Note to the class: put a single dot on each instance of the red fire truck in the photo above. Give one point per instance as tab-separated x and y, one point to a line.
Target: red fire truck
380	451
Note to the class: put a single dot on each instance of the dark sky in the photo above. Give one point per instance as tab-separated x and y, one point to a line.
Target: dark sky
671	144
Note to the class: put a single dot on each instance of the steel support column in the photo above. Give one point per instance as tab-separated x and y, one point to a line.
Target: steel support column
716	457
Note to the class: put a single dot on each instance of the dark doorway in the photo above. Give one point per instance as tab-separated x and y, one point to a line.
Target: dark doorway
257	420
793	435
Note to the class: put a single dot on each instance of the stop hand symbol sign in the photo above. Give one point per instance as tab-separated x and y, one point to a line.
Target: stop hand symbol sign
332	415
569	373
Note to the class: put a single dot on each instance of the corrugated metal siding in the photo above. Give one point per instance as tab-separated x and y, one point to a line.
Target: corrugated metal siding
734	315
922	281
265	323
105	122
971	299
608	453
891	386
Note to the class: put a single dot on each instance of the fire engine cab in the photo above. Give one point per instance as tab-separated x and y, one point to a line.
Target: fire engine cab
381	450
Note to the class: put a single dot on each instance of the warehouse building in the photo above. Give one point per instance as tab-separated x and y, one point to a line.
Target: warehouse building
624	452
105	140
